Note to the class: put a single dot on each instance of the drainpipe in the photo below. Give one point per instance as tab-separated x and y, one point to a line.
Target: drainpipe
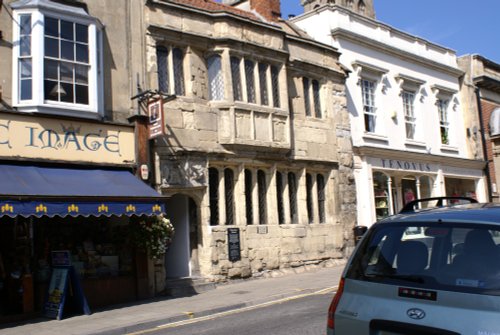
483	140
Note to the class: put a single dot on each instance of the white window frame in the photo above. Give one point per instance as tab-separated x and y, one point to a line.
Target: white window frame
369	106
444	120
38	11
408	98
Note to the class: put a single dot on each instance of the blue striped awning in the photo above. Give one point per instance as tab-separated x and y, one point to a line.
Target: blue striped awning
49	191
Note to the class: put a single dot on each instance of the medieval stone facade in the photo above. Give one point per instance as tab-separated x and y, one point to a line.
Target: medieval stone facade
258	140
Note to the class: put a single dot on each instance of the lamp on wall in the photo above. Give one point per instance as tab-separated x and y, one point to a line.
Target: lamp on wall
57	91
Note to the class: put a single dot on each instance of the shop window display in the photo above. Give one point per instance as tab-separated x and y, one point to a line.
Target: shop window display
98	247
381	194
16	281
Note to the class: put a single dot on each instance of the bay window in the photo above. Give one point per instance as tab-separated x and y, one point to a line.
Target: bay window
57	59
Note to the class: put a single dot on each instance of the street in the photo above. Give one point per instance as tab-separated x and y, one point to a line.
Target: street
301	316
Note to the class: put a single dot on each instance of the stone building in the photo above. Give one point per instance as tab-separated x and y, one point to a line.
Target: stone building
407	118
481	99
257	156
68	156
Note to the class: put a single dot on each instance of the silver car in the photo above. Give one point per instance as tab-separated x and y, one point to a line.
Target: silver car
426	271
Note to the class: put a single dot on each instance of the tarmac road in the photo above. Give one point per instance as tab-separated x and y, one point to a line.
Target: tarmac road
304	315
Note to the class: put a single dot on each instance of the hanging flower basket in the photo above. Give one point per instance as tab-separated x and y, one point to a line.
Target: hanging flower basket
152	235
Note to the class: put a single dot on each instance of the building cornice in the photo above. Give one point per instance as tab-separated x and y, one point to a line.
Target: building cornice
215	14
159	32
375	24
366	41
488	83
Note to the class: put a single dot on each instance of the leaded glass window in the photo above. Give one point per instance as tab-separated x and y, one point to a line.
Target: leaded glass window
250	80
178	61
307	100
229	194
264	93
275	86
292	193
316	100
249	196
213	189
320	184
163	69
236	76
309	198
262	192
215	78
279	195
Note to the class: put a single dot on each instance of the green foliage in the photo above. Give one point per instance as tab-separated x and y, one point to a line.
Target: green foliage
152	235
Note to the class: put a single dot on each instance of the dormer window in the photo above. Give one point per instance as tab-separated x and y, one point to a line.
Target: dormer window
57	59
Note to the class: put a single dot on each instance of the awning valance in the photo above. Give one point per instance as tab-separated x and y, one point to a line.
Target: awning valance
50	191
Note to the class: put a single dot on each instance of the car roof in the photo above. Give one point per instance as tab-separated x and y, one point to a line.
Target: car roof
483	213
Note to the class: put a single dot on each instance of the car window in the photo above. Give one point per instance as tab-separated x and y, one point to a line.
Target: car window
444	256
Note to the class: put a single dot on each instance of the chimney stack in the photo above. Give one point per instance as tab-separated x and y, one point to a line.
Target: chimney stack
269	9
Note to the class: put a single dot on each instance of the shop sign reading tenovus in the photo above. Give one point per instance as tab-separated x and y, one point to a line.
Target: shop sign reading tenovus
23	136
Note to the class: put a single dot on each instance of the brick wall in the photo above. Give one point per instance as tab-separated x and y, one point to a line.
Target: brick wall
269	9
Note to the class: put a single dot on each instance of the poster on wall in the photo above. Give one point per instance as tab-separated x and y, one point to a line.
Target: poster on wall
234	244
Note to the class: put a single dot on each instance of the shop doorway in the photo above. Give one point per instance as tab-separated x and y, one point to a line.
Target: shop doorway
181	259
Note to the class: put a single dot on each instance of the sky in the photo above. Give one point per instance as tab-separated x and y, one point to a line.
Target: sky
468	27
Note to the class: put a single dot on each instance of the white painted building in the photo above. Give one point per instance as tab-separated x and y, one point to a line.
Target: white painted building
406	117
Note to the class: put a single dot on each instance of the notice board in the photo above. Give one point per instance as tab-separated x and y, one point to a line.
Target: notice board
234	244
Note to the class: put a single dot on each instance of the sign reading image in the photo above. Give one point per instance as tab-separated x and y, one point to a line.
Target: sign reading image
67	140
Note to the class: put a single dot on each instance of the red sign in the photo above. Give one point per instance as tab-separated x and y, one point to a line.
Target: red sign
156	124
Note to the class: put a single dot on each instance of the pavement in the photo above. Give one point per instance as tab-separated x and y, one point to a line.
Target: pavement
139	316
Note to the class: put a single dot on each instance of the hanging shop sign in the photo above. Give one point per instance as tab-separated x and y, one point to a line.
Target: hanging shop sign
25	136
156	125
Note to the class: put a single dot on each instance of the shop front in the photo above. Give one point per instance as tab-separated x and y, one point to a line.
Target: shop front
385	184
50	201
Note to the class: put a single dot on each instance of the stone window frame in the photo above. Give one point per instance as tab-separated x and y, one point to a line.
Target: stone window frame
256	81
34	74
170	66
262	190
249	215
321	184
213	194
280	188
311	88
229	186
316	184
215	76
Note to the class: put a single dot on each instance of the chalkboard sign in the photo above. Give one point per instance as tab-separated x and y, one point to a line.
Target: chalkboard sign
64	284
234	245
